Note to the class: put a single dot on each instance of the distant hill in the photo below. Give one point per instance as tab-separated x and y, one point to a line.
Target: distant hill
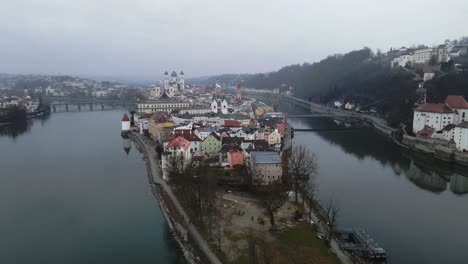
225	79
360	77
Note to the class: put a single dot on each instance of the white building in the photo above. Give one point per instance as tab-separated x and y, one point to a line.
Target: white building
219	105
428	76
349	106
338	104
274	138
174	83
454	110
461	136
125	123
49	91
436	116
197	110
161	105
424	56
402	60
447	133
458	103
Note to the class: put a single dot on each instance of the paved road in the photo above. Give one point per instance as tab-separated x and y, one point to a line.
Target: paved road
157	178
374	119
334	244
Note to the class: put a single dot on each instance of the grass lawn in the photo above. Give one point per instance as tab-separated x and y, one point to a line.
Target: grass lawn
299	244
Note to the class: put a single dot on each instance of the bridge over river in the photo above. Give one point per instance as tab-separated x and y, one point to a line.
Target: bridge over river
319	111
66	104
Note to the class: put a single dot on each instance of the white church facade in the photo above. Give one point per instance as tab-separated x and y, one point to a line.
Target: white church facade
219	105
173	84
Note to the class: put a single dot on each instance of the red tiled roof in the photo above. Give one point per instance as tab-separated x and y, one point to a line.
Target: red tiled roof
456	101
199	157
426	132
232	140
125	117
448	127
280	128
231	123
215	136
145	115
188	134
434	108
179	142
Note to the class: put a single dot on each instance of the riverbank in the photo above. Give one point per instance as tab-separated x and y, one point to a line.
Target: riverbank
441	151
186	235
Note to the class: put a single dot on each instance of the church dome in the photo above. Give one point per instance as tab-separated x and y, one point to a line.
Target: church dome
181	72
174	74
166	73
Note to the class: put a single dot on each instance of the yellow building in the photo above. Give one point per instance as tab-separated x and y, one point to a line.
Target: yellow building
159	125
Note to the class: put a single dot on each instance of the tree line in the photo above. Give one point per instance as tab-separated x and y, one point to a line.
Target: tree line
196	184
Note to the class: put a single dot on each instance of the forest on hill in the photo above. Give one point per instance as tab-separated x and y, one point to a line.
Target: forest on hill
362	77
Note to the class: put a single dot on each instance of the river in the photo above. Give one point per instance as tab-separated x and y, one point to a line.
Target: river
70	193
414	207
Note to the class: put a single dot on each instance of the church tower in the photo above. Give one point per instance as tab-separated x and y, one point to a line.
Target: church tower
174	77
166	79
181	81
238	94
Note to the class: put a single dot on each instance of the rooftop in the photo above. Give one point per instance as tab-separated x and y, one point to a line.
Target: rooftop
456	101
265	157
125	118
463	124
434	108
179	142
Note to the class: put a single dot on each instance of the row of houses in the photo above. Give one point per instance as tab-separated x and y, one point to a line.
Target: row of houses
447	121
229	143
440	54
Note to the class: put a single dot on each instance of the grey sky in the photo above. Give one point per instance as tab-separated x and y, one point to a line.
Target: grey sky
204	37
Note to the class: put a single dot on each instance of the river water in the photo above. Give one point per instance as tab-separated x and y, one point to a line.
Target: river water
414	207
70	193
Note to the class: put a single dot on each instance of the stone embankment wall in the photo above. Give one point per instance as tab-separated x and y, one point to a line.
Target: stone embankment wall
175	221
439	149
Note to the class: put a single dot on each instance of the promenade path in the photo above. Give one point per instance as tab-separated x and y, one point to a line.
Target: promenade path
156	174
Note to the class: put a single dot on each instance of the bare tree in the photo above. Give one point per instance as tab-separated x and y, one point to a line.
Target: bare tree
331	214
308	192
259	249
218	217
273	199
301	166
175	169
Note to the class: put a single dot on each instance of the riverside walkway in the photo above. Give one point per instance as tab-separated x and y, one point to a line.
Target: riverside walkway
325	111
156	175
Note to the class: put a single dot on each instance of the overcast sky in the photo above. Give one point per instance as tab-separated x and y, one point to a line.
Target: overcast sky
203	37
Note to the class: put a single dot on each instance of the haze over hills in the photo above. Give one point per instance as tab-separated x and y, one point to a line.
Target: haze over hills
363	77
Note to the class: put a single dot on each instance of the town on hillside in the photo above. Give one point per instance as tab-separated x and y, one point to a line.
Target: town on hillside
224	129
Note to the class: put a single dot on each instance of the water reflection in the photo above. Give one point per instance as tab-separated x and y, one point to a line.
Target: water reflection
459	184
16	129
424	171
21	127
126	144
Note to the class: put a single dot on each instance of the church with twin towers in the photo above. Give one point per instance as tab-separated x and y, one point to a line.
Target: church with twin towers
172	84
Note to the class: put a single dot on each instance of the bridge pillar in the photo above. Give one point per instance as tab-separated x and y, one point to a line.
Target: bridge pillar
102	106
66	107
91	106
53	107
79	107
